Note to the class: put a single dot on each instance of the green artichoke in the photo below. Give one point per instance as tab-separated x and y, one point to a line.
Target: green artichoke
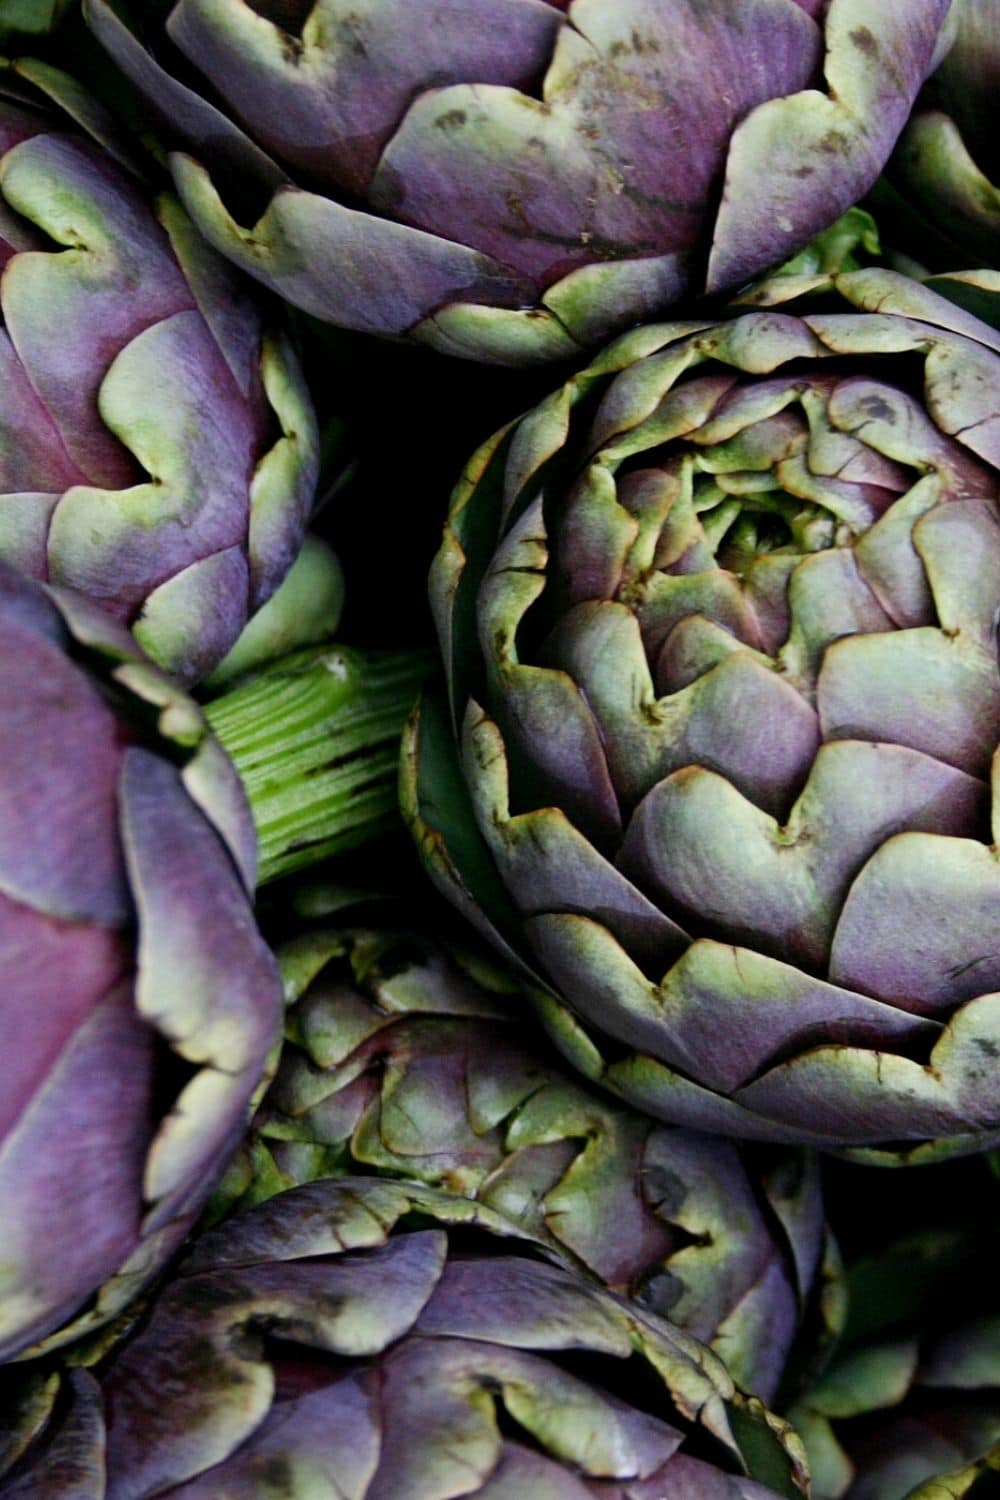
515	180
403	1060
913	1394
381	1341
158	449
719	620
30	18
942	185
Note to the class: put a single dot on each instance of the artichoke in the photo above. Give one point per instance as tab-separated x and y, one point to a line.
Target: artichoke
913	1395
139	1003
385	1342
512	180
158	450
942	183
719	620
403	1060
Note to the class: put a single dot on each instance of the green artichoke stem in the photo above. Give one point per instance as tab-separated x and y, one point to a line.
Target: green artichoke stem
315	737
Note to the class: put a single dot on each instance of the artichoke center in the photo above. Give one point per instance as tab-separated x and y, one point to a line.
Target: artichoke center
741	528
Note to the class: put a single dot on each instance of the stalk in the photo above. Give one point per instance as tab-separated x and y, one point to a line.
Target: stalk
315	738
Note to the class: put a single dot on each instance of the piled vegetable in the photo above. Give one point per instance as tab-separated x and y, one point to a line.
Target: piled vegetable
135	364
499	997
722	663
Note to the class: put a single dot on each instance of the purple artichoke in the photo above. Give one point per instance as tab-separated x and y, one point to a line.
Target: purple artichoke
513	180
720	623
943	180
158	450
380	1341
401	1060
139	1003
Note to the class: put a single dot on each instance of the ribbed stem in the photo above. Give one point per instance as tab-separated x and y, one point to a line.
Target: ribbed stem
315	738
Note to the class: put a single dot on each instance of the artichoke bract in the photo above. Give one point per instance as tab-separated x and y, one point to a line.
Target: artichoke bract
975	1481
35	18
385	1342
942	182
158	450
404	1059
912	1397
514	180
139	1004
719	619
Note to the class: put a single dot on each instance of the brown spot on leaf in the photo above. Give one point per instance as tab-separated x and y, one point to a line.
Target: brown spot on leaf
879	409
452	119
864	41
637	44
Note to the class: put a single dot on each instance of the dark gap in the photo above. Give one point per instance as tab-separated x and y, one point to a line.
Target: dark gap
16	1392
300	1369
171	1075
405	952
634	1381
469	1242
916	1048
137	719
439	410
379	884
656	1287
955	1197
289	15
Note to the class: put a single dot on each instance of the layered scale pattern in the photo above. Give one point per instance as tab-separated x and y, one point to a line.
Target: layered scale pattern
729	727
158	450
379	1341
403	1060
514	180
